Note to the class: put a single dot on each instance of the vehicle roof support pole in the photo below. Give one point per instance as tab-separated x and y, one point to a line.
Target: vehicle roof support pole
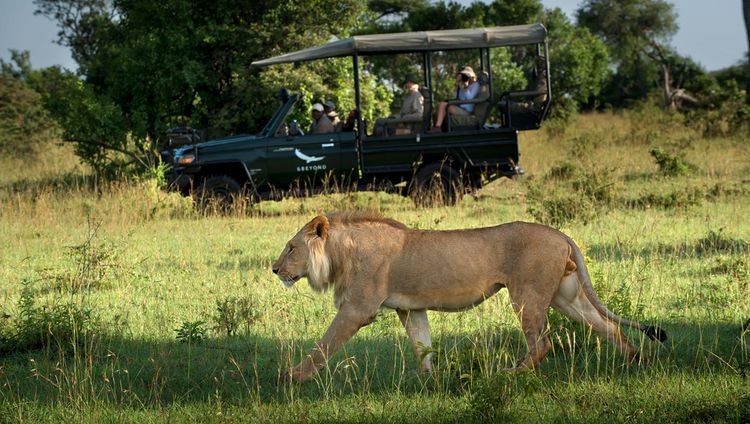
357	100
549	87
428	73
489	74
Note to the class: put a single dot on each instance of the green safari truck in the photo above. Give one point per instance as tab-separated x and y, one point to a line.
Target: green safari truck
405	156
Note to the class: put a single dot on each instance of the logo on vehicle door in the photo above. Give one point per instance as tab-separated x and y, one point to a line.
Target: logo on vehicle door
308	160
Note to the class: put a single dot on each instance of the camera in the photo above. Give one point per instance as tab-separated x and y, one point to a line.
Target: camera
464	77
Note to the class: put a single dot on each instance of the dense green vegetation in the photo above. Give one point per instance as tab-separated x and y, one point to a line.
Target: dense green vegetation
119	302
144	67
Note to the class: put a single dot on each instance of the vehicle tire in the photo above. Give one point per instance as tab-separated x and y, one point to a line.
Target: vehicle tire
218	193
437	184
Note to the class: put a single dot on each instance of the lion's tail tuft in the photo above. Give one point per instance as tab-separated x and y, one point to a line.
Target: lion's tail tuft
654	333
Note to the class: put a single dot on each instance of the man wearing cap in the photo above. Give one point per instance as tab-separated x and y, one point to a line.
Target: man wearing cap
320	122
411	109
329	109
468	88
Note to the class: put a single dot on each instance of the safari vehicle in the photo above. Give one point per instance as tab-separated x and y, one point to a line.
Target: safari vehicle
283	160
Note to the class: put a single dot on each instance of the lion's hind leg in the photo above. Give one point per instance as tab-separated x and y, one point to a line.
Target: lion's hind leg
531	307
571	300
418	329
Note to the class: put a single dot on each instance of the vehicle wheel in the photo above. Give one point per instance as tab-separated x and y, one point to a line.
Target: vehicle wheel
437	184
218	193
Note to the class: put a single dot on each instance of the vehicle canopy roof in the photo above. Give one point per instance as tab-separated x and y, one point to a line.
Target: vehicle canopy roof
405	42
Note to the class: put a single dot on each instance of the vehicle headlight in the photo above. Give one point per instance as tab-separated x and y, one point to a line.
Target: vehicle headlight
185	159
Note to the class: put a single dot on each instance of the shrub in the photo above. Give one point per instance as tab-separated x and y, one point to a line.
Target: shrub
718	241
191	332
492	398
60	325
233	313
671	165
568	194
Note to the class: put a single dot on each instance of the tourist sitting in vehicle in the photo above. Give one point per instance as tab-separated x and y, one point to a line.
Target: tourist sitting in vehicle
411	111
329	108
468	88
320	122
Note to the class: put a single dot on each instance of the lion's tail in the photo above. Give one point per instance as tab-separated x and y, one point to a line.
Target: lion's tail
653	332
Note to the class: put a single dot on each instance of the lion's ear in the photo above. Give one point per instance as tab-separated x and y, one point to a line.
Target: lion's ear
318	227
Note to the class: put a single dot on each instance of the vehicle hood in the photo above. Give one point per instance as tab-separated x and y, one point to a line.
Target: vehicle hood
244	138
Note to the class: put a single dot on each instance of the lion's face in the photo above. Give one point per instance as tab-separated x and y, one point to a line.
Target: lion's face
292	263
304	256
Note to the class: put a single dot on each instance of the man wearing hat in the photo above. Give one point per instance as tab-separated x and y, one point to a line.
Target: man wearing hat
468	88
329	109
411	109
413	105
320	122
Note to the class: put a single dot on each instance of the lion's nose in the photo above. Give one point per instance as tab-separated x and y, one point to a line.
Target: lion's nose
275	270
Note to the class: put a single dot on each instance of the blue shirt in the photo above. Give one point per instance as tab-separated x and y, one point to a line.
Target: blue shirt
468	93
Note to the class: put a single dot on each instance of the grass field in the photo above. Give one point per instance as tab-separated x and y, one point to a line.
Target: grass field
119	303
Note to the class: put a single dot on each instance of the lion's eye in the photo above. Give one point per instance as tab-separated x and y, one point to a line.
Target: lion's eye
291	249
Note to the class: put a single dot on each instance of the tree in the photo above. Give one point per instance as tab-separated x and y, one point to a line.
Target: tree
637	33
25	125
152	65
746	14
578	64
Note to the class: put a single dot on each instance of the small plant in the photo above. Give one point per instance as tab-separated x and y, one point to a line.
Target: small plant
563	171
671	165
718	241
568	193
191	332
60	325
676	199
492	398
233	313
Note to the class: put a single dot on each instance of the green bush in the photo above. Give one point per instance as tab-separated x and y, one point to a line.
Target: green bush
567	193
191	332
58	325
235	312
671	165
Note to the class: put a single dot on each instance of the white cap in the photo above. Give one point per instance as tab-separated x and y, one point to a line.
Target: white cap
318	107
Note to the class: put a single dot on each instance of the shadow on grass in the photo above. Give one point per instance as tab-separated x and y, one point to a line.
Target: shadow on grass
148	373
714	243
63	182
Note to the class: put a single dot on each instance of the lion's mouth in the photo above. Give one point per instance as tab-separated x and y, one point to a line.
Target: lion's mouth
288	282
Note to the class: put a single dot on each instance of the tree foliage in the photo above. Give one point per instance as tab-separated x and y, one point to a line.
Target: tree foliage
147	66
153	65
636	33
579	64
25	125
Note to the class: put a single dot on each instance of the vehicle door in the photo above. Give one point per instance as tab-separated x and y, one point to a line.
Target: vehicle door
303	161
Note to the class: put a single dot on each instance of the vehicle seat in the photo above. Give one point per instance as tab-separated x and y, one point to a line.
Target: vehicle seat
481	107
523	109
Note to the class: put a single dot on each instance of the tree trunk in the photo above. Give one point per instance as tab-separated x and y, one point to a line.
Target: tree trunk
746	13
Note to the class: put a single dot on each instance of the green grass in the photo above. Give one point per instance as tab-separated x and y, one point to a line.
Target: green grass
669	250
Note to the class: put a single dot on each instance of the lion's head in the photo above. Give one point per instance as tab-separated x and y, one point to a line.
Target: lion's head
304	256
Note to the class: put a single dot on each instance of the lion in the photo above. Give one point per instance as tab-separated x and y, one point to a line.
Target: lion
372	262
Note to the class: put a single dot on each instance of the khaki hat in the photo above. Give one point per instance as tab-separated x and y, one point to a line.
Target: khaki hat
469	72
318	107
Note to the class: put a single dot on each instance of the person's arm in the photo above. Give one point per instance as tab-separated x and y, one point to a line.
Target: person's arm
472	91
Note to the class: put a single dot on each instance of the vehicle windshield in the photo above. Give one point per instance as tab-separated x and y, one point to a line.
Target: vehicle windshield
284	108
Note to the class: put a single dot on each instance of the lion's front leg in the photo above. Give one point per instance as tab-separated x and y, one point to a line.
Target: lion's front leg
418	328
343	327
